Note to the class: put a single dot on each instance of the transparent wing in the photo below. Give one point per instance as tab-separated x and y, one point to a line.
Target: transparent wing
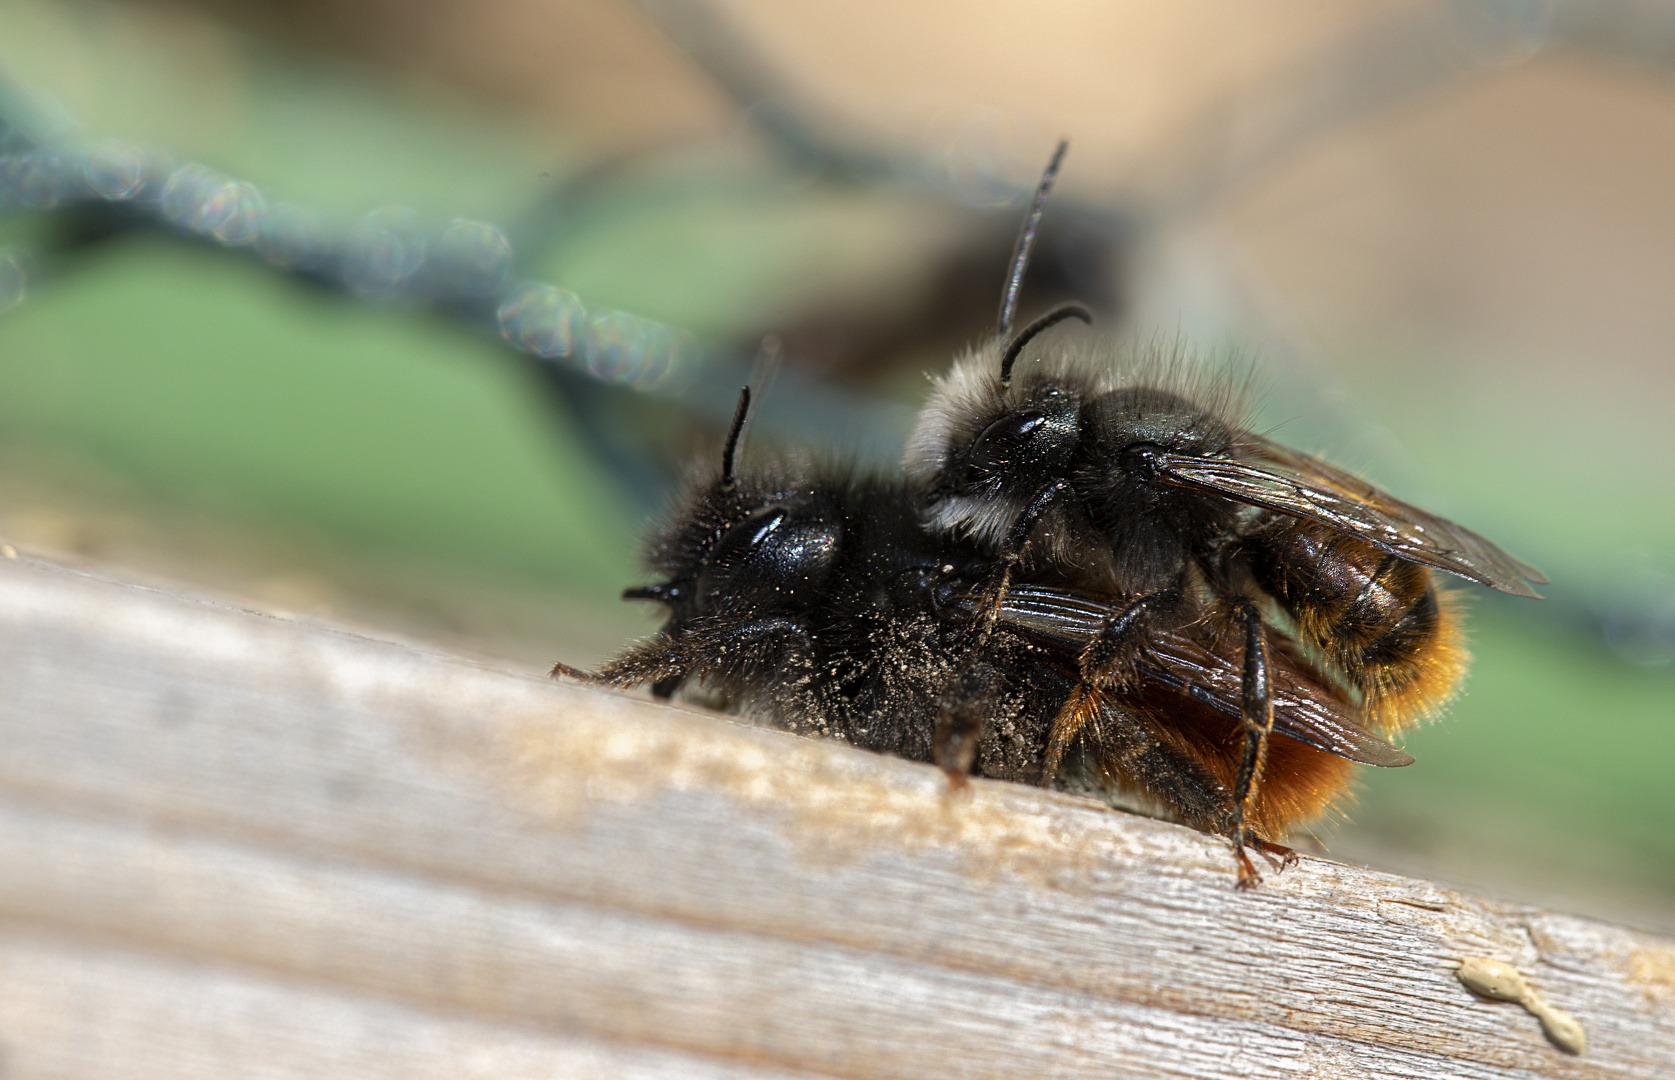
1303	709
1293	483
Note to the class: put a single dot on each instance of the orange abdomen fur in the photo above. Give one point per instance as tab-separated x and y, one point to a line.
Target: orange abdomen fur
1379	620
1180	758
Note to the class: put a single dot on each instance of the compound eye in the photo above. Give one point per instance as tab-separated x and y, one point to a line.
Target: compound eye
768	557
1003	444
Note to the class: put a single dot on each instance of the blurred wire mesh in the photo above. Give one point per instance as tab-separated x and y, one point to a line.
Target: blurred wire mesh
409	313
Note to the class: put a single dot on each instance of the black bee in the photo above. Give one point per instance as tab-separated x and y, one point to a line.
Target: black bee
1135	480
813	597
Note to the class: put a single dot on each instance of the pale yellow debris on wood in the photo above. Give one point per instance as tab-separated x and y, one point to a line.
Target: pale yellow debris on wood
1500	980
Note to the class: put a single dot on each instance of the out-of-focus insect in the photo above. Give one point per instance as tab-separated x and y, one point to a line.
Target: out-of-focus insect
1134	480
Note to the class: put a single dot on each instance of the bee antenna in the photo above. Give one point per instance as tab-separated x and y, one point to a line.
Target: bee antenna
1026	240
1045	322
740	411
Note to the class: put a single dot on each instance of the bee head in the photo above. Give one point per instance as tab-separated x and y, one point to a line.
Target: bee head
987	441
746	546
775	557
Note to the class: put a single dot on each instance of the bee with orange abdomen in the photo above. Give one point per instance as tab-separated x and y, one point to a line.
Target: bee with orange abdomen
1133	478
1093	576
812	596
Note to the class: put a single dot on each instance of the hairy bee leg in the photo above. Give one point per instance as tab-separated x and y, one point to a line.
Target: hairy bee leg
1079	708
670	661
962	718
1257	713
1012	551
1116	638
663	689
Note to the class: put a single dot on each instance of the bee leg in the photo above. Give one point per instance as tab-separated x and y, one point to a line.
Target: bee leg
962	717
1102	659
668	660
1081	708
663	688
1278	855
1011	553
1100	664
561	670
1257	712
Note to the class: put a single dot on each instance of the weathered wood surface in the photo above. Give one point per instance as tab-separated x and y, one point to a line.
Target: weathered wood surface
239	845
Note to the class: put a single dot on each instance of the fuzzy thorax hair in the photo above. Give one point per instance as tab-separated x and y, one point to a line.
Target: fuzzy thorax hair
969	398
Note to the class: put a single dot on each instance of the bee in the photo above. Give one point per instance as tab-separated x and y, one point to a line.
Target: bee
814	597
1087	577
810	595
1134	479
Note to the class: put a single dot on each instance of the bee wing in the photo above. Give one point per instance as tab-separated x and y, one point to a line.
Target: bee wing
1064	617
1306	487
1303	709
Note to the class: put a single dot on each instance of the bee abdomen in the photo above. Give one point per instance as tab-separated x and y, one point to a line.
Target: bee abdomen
1379	619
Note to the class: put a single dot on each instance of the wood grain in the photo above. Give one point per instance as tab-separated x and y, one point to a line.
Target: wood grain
236	844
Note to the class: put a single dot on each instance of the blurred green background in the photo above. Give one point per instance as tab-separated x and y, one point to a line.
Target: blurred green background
1455	280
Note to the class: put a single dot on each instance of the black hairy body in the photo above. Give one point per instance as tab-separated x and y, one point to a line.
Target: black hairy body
813	598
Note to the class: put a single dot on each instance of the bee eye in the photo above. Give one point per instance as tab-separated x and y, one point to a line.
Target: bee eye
1002	443
768	554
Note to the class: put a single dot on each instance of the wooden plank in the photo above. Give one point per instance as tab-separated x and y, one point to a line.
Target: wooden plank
239	844
96	1009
